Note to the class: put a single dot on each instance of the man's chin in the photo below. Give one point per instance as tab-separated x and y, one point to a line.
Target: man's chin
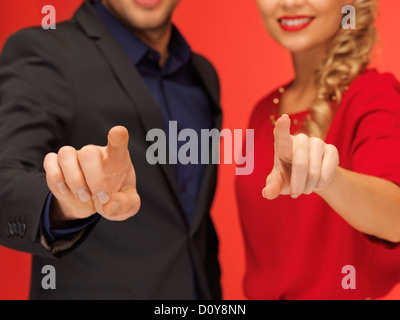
150	24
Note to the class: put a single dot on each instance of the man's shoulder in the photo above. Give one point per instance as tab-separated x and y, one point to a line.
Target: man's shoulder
65	33
207	71
203	65
202	61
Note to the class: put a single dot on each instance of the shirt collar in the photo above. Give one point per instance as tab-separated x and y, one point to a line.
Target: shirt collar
180	52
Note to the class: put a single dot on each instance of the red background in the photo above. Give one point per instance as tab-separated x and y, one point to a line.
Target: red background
230	33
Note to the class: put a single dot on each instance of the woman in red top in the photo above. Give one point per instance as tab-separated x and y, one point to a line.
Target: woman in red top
321	210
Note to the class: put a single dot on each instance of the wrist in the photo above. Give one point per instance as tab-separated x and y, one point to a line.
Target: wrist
329	187
59	217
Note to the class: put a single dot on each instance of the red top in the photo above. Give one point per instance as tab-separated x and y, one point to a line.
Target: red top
296	248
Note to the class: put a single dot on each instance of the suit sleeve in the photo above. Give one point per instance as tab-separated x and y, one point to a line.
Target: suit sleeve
36	112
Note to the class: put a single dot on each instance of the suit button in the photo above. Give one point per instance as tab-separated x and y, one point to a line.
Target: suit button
11	227
23	230
15	228
18	229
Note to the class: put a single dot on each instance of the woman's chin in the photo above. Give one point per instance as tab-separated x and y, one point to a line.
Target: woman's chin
296	47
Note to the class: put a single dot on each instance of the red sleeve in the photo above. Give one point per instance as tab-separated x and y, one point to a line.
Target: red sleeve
375	149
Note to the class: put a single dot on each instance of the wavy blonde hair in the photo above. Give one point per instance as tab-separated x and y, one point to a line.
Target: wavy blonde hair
348	56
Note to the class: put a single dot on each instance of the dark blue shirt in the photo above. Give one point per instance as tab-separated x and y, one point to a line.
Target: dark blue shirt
180	94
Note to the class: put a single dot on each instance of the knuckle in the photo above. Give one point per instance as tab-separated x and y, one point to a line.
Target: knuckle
323	180
302	137
53	176
134	206
90	148
88	152
75	181
317	142
333	152
66	152
331	148
313	175
50	157
137	203
300	165
301	142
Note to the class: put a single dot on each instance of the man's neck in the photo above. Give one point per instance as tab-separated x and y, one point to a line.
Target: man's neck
157	39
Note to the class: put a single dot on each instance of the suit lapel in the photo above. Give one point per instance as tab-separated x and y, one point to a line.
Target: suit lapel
210	81
206	194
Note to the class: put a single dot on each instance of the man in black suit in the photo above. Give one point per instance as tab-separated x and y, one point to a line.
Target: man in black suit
112	225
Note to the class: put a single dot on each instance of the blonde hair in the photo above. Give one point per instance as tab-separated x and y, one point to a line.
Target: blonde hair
348	56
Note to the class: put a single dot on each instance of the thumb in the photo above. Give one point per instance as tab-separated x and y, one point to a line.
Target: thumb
283	139
274	185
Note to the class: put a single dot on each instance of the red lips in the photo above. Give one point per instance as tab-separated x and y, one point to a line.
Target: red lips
295	23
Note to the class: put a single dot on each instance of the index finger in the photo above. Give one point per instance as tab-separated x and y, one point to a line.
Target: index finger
117	145
283	139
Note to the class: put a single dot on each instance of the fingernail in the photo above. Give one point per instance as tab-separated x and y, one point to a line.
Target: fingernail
294	196
83	195
62	187
103	197
114	207
285	115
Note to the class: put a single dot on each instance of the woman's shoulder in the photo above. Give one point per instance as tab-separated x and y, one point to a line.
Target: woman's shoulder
371	81
373	89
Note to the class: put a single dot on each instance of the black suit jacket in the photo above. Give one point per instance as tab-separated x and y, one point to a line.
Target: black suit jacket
69	86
